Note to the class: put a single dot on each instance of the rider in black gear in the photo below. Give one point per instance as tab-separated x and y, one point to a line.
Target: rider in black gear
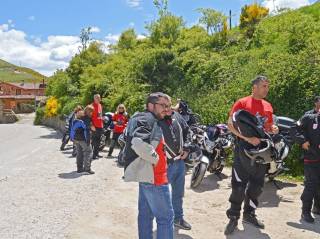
310	130
316	200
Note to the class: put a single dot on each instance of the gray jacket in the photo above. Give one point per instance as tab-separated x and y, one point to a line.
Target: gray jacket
146	135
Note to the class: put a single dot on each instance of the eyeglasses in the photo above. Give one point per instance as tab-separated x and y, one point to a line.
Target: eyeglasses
167	107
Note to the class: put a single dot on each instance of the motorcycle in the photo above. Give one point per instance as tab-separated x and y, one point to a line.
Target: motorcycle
213	140
283	142
66	134
107	130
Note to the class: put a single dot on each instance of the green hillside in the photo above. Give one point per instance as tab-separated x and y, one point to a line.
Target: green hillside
13	73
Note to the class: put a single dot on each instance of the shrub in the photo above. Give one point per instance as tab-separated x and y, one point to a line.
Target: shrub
51	108
39	116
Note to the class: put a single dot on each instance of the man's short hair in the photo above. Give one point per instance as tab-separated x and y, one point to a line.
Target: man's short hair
259	79
154	97
316	99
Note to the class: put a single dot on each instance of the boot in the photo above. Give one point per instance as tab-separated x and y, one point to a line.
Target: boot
231	226
182	224
252	219
306	216
89	171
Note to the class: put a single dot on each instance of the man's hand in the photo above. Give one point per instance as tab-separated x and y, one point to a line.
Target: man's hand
184	155
253	140
274	129
93	128
306	145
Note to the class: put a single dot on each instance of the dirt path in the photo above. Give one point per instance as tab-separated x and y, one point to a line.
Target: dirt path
43	197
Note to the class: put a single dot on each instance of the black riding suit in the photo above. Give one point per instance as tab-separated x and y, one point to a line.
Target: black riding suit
310	130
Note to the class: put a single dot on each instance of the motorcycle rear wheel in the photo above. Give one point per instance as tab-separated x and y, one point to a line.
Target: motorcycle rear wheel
198	173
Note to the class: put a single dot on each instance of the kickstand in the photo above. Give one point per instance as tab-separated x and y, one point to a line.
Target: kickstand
276	184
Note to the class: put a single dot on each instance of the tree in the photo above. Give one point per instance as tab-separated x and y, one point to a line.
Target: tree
166	29
162	6
250	16
85	38
127	40
213	20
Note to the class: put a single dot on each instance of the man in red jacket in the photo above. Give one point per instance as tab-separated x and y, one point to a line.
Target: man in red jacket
97	123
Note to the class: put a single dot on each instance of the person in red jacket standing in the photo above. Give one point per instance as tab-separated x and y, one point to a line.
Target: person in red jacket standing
97	124
120	120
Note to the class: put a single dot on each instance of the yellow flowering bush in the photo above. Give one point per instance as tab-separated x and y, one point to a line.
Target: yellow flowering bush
250	16
52	106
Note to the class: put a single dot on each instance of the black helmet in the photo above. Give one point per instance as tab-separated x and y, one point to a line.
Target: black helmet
247	124
184	108
263	154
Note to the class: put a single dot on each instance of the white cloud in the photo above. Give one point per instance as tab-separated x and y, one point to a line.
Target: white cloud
31	18
95	29
134	3
44	56
131	24
4	27
141	37
112	37
275	5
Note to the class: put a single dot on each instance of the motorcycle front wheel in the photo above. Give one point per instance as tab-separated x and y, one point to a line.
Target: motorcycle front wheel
198	173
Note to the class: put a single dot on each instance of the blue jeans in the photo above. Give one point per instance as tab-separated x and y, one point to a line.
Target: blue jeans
176	177
155	201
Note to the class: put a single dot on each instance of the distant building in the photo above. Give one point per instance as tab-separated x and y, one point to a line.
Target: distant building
22	88
15	95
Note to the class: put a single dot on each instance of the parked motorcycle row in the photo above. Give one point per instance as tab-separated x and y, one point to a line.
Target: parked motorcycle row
210	145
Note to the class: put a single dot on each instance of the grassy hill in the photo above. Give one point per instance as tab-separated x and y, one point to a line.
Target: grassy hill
13	73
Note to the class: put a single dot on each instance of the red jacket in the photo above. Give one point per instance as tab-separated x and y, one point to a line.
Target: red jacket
97	116
121	122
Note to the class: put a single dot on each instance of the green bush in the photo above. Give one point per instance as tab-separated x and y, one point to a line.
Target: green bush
39	116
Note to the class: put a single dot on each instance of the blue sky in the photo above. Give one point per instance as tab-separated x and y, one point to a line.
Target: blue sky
43	34
67	17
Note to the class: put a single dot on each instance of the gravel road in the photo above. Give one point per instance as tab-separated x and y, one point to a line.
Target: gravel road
43	197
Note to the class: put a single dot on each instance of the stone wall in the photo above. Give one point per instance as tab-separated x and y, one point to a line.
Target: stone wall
55	123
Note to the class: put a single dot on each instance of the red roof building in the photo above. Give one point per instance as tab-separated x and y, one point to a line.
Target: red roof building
13	95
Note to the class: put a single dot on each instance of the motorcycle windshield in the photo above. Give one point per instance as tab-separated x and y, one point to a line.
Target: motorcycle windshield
212	132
